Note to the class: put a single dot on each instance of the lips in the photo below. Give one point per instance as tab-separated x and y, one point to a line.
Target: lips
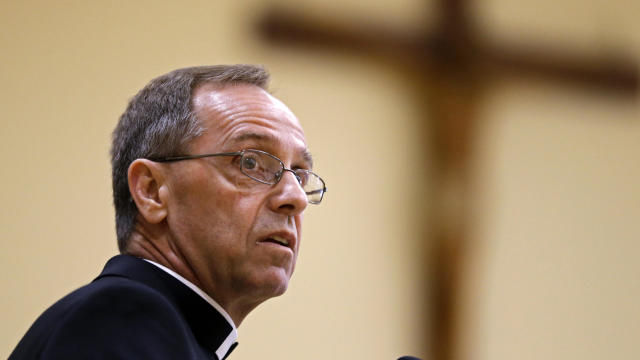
278	240
283	239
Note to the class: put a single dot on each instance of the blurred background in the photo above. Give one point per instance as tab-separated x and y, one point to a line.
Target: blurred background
533	194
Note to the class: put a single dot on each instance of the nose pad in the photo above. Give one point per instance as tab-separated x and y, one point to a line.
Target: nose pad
278	175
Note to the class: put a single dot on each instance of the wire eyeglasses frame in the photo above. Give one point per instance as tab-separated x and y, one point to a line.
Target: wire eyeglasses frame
312	184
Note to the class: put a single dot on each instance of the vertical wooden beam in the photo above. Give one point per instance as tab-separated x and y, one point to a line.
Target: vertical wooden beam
451	96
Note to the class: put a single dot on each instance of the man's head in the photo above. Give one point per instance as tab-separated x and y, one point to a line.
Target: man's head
235	237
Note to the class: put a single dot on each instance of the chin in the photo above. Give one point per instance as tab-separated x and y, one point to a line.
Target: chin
274	284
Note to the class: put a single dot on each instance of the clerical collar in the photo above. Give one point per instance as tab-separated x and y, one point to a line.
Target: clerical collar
224	349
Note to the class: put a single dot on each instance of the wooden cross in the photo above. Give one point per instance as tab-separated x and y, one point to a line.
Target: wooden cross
451	66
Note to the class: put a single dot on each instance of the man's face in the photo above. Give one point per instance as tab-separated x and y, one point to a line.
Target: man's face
222	222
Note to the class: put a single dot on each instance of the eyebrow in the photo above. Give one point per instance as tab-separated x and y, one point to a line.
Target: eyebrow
306	154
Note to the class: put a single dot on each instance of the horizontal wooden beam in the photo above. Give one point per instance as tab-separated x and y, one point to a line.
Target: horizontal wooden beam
609	73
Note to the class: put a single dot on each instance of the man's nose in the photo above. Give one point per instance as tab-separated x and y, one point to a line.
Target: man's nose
289	197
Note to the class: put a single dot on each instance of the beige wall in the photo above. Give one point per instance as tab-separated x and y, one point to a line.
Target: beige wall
555	266
555	274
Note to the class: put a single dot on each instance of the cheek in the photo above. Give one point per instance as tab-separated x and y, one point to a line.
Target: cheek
245	210
194	207
220	219
217	209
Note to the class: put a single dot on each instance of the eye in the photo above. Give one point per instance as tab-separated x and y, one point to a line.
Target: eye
302	176
249	163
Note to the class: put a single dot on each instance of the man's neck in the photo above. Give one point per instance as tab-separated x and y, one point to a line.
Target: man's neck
158	249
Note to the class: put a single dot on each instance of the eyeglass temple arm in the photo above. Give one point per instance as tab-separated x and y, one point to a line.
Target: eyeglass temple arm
189	157
323	190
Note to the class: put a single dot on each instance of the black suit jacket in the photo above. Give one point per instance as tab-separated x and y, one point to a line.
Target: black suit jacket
133	310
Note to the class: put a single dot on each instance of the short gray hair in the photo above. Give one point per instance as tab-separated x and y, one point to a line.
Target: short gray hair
159	121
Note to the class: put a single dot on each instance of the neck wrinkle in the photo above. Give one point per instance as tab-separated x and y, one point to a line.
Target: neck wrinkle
160	250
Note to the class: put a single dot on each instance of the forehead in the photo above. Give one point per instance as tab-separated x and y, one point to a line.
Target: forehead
246	115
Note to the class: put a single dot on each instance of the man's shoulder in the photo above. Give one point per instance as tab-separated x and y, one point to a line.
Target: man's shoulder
111	298
112	295
110	316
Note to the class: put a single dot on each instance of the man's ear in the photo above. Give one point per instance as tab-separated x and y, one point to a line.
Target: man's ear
147	186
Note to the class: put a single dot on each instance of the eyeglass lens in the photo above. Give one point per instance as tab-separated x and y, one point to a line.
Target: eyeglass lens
268	169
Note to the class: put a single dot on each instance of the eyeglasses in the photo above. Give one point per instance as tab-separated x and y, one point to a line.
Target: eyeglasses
267	169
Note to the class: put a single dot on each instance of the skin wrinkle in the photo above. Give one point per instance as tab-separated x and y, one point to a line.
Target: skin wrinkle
239	115
151	248
262	138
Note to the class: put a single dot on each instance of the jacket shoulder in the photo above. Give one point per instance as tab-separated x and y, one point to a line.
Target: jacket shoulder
112	318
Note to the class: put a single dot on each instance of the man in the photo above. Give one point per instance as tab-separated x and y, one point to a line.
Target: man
211	176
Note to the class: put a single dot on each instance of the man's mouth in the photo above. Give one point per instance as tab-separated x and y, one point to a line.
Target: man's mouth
281	238
277	240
